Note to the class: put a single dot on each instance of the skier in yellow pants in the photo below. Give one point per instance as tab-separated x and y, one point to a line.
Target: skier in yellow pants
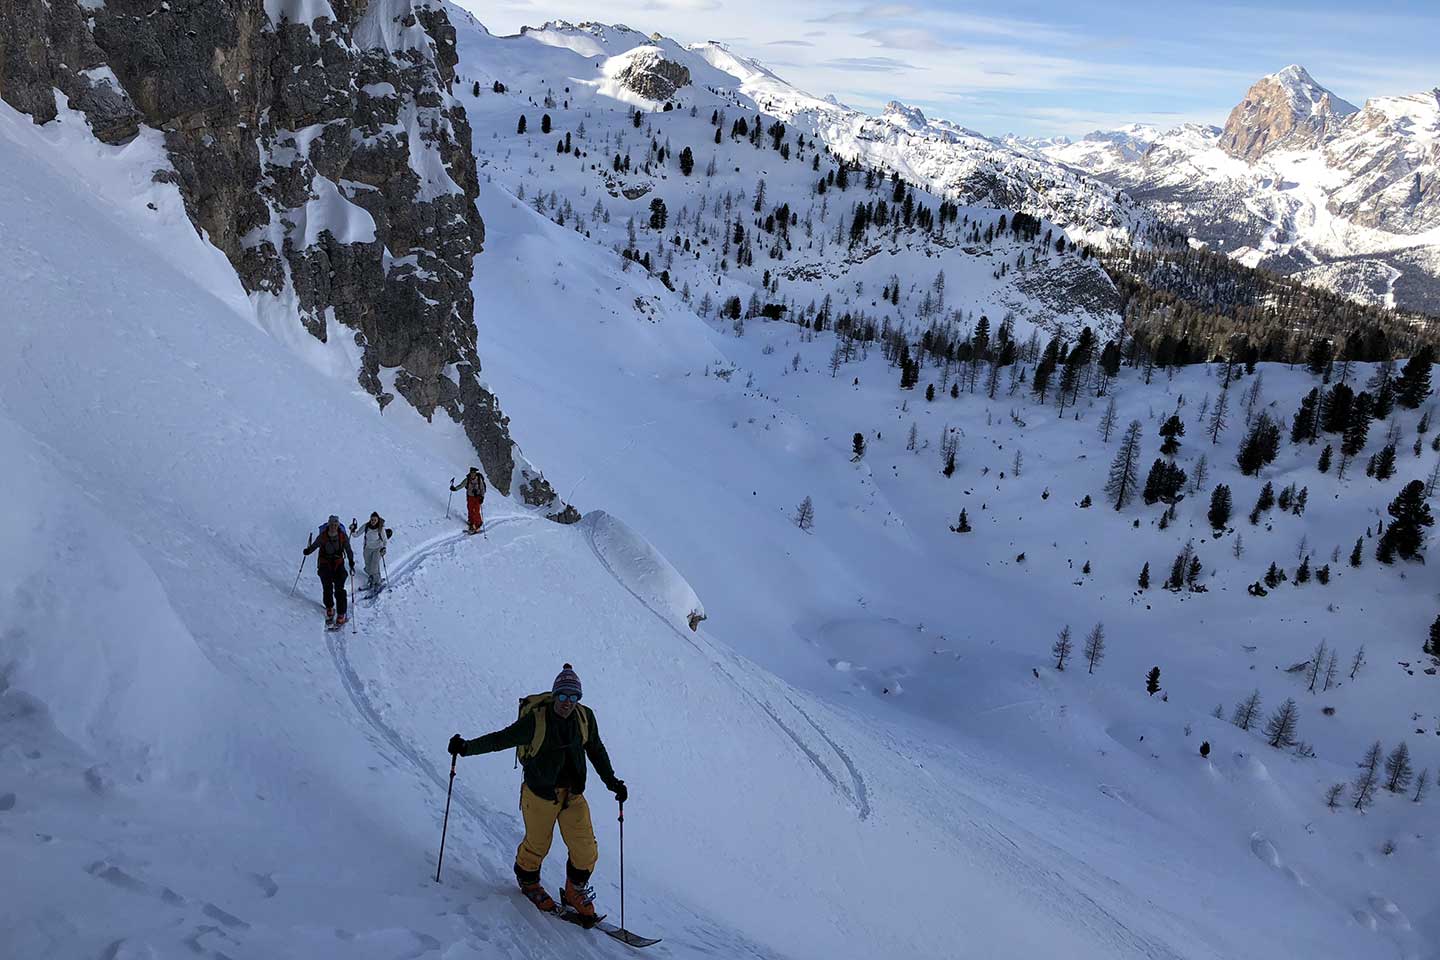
552	737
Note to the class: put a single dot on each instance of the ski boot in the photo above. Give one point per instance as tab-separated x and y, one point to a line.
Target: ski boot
341	620
533	891
329	616
580	898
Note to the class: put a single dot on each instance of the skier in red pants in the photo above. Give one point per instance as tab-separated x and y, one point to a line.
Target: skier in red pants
474	484
334	547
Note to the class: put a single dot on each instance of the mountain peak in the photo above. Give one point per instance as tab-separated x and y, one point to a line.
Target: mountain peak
1283	110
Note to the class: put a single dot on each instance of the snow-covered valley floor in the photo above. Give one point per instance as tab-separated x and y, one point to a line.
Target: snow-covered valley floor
863	751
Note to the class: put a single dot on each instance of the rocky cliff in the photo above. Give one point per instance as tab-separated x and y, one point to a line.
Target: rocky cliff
1285	110
319	147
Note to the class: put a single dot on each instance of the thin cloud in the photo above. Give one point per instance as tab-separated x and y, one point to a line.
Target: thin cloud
870	64
906	38
789	43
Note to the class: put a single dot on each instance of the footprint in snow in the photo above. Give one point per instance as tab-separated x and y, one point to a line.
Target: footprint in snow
7	801
1389	912
228	919
1265	851
266	883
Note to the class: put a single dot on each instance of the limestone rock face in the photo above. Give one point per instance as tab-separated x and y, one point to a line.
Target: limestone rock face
326	159
1285	110
652	76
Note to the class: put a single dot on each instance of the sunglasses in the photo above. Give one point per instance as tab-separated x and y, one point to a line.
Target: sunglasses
567	698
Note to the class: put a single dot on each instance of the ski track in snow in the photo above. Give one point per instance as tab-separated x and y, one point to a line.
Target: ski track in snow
857	795
355	687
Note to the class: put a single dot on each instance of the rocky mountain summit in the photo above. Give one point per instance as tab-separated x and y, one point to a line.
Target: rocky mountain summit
319	147
1285	110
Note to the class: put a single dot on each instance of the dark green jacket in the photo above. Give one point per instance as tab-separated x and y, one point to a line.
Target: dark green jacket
562	741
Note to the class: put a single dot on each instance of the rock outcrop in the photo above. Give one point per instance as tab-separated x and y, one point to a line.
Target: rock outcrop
1286	110
652	76
318	146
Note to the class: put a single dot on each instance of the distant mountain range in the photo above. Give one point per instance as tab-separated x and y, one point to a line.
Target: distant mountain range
1298	181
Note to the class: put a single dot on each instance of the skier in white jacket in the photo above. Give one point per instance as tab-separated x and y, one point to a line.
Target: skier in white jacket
374	543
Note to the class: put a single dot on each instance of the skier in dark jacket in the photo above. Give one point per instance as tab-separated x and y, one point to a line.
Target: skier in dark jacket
554	736
334	546
474	484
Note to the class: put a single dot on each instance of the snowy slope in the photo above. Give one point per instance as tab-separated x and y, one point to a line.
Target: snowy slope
852	738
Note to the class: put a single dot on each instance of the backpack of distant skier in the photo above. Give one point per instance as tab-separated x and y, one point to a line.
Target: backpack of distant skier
476	489
538	704
335	556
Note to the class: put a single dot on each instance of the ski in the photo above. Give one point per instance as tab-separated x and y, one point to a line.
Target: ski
627	937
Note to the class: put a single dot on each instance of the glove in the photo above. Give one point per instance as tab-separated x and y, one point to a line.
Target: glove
457	745
621	794
382	551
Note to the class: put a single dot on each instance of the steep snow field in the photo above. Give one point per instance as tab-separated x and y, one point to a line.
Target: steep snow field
862	751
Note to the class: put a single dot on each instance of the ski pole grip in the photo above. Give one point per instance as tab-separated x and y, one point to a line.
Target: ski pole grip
622	812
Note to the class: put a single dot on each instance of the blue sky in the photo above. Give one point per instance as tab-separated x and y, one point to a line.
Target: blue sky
1039	67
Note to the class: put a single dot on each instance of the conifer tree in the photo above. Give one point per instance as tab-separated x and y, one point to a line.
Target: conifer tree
1413	384
1405	535
1333	795
805	514
1385	462
1220	507
1357	662
1325	456
1432	645
520	127
1152	681
687	161
1061	648
857	446
1369	777
545	123
1398	769
1260	446
1145	579
1218	421
1247	711
1107	421
1172	430
1356	554
1303	428
1125	469
1280	728
1095	646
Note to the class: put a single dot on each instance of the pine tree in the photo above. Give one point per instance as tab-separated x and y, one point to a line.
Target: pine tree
1260	446
1145	576
1302	572
1218	421
1413	384
1355	555
1247	711
520	127
545	123
687	162
1266	499
1272	576
1220	507
1280	728
1124	471
1398	769
805	514
1304	425
930	392
1325	456
1095	646
1369	777
1107	422
1061	647
963	524
1333	795
857	446
1405	535
1152	681
1432	645
1385	462
1172	430
1317	663
1322	576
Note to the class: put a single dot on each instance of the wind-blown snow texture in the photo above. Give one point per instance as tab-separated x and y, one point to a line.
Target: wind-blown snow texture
863	751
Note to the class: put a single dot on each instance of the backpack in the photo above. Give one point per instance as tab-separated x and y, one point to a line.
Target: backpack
536	704
338	557
476	489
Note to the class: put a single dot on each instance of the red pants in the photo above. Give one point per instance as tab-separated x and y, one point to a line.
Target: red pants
472	505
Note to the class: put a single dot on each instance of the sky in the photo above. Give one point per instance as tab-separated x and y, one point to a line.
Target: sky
1040	67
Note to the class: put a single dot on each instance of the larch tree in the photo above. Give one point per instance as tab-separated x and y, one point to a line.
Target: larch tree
1125	469
1095	646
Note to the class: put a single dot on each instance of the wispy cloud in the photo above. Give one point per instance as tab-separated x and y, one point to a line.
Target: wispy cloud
906	38
789	43
871	64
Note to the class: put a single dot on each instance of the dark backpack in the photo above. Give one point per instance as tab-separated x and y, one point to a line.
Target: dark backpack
538	704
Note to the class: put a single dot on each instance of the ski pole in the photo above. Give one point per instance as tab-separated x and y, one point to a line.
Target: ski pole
622	871
385	568
303	557
356	612
445	825
451	498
